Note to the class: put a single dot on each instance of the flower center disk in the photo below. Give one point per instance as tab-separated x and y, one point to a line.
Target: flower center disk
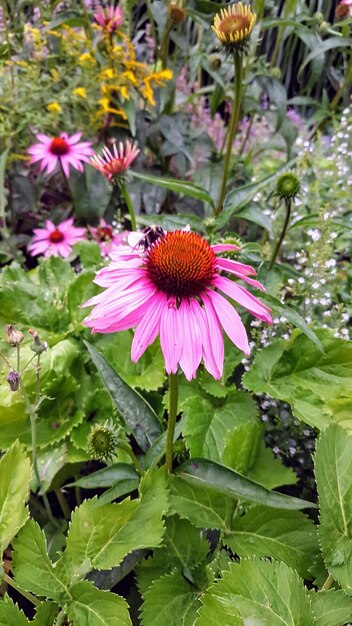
56	236
59	146
104	233
181	263
234	24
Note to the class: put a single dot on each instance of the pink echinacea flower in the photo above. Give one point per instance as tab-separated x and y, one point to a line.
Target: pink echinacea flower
105	236
117	162
63	150
171	288
109	19
55	240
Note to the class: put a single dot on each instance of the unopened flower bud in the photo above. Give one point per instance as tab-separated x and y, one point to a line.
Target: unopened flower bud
177	13
287	185
14	337
13	379
215	62
37	346
324	27
103	440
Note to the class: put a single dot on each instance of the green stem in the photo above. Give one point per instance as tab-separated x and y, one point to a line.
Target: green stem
128	201
23	593
327	583
33	420
173	389
63	504
132	456
237	93
283	233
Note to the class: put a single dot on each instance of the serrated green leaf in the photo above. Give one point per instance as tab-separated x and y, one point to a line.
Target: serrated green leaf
298	373
205	427
331	608
183	187
205	508
183	548
15	473
205	474
10	614
92	607
45	614
245	452
100	536
106	477
32	567
257	592
287	536
293	317
170	600
333	472
138	415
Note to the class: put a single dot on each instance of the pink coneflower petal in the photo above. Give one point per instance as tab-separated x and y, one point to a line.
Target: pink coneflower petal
116	163
168	287
224	247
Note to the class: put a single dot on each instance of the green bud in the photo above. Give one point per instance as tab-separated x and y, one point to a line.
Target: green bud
287	185
102	441
37	346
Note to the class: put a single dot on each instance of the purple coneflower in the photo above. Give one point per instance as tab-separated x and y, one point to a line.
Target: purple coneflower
63	150
55	240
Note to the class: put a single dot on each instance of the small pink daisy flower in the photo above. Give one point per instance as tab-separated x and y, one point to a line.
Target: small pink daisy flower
109	19
63	150
105	236
55	240
171	288
117	162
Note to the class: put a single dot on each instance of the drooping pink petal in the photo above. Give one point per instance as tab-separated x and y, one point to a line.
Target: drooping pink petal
214	344
230	321
224	247
234	266
148	328
191	341
244	298
171	336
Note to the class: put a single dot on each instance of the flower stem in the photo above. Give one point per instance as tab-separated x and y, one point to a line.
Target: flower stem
173	388
128	201
283	233
237	93
7	579
327	583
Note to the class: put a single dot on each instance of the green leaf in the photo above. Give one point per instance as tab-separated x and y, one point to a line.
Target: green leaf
49	464
92	607
138	415
298	373
183	548
205	427
322	47
245	452
179	186
287	536
15	473
45	614
157	449
293	317
149	373
205	508
32	567
204	473
106	477
10	614
170	600
89	254
256	592
100	536
331	608
333	471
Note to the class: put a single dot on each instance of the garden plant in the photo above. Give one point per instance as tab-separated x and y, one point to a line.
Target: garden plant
175	307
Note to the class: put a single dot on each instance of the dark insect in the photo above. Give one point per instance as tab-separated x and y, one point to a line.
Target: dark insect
151	235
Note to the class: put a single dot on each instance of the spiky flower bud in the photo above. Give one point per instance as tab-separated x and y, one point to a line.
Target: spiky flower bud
287	185
13	379
233	26
37	346
14	337
102	441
